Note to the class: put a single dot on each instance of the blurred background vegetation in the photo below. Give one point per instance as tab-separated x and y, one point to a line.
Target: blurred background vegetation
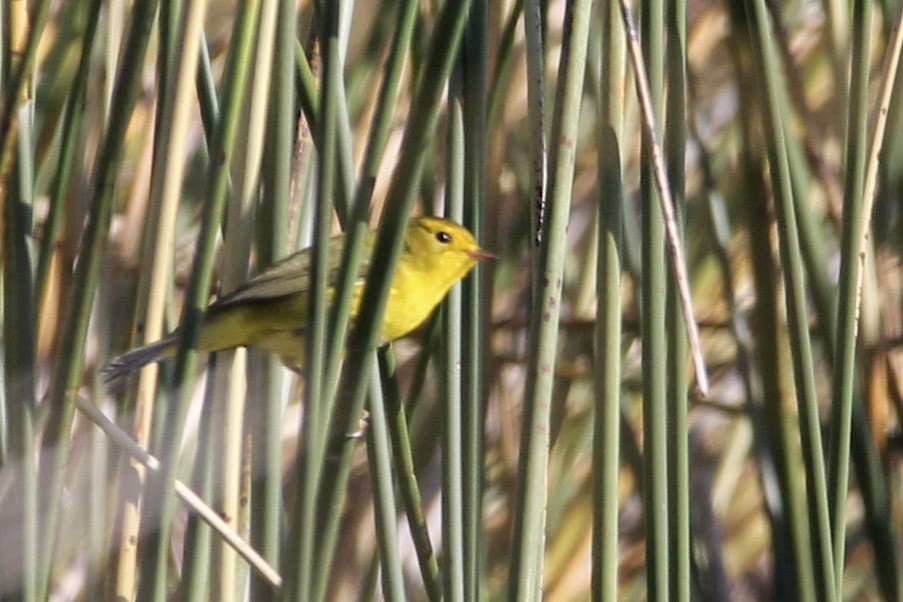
546	437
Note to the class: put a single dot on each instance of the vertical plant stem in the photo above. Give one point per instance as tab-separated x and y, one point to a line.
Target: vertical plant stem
655	370
452	448
379	454
501	74
848	283
872	482
476	308
195	583
804	377
408	488
18	321
266	374
306	82
679	551
536	89
607	332
525	582
19	331
301	556
780	455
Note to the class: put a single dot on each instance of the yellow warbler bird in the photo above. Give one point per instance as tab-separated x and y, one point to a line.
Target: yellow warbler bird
270	311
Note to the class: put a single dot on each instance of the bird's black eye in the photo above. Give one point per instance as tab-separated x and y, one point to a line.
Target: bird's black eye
443	237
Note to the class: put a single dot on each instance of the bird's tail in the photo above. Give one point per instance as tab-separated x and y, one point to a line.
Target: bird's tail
132	360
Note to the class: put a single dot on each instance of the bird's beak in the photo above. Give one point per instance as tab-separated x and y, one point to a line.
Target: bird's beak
481	255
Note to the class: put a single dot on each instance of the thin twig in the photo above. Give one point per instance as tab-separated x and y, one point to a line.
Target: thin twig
208	514
536	117
672	236
891	64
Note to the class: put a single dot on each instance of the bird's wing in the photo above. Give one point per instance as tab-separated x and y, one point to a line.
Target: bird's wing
291	275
